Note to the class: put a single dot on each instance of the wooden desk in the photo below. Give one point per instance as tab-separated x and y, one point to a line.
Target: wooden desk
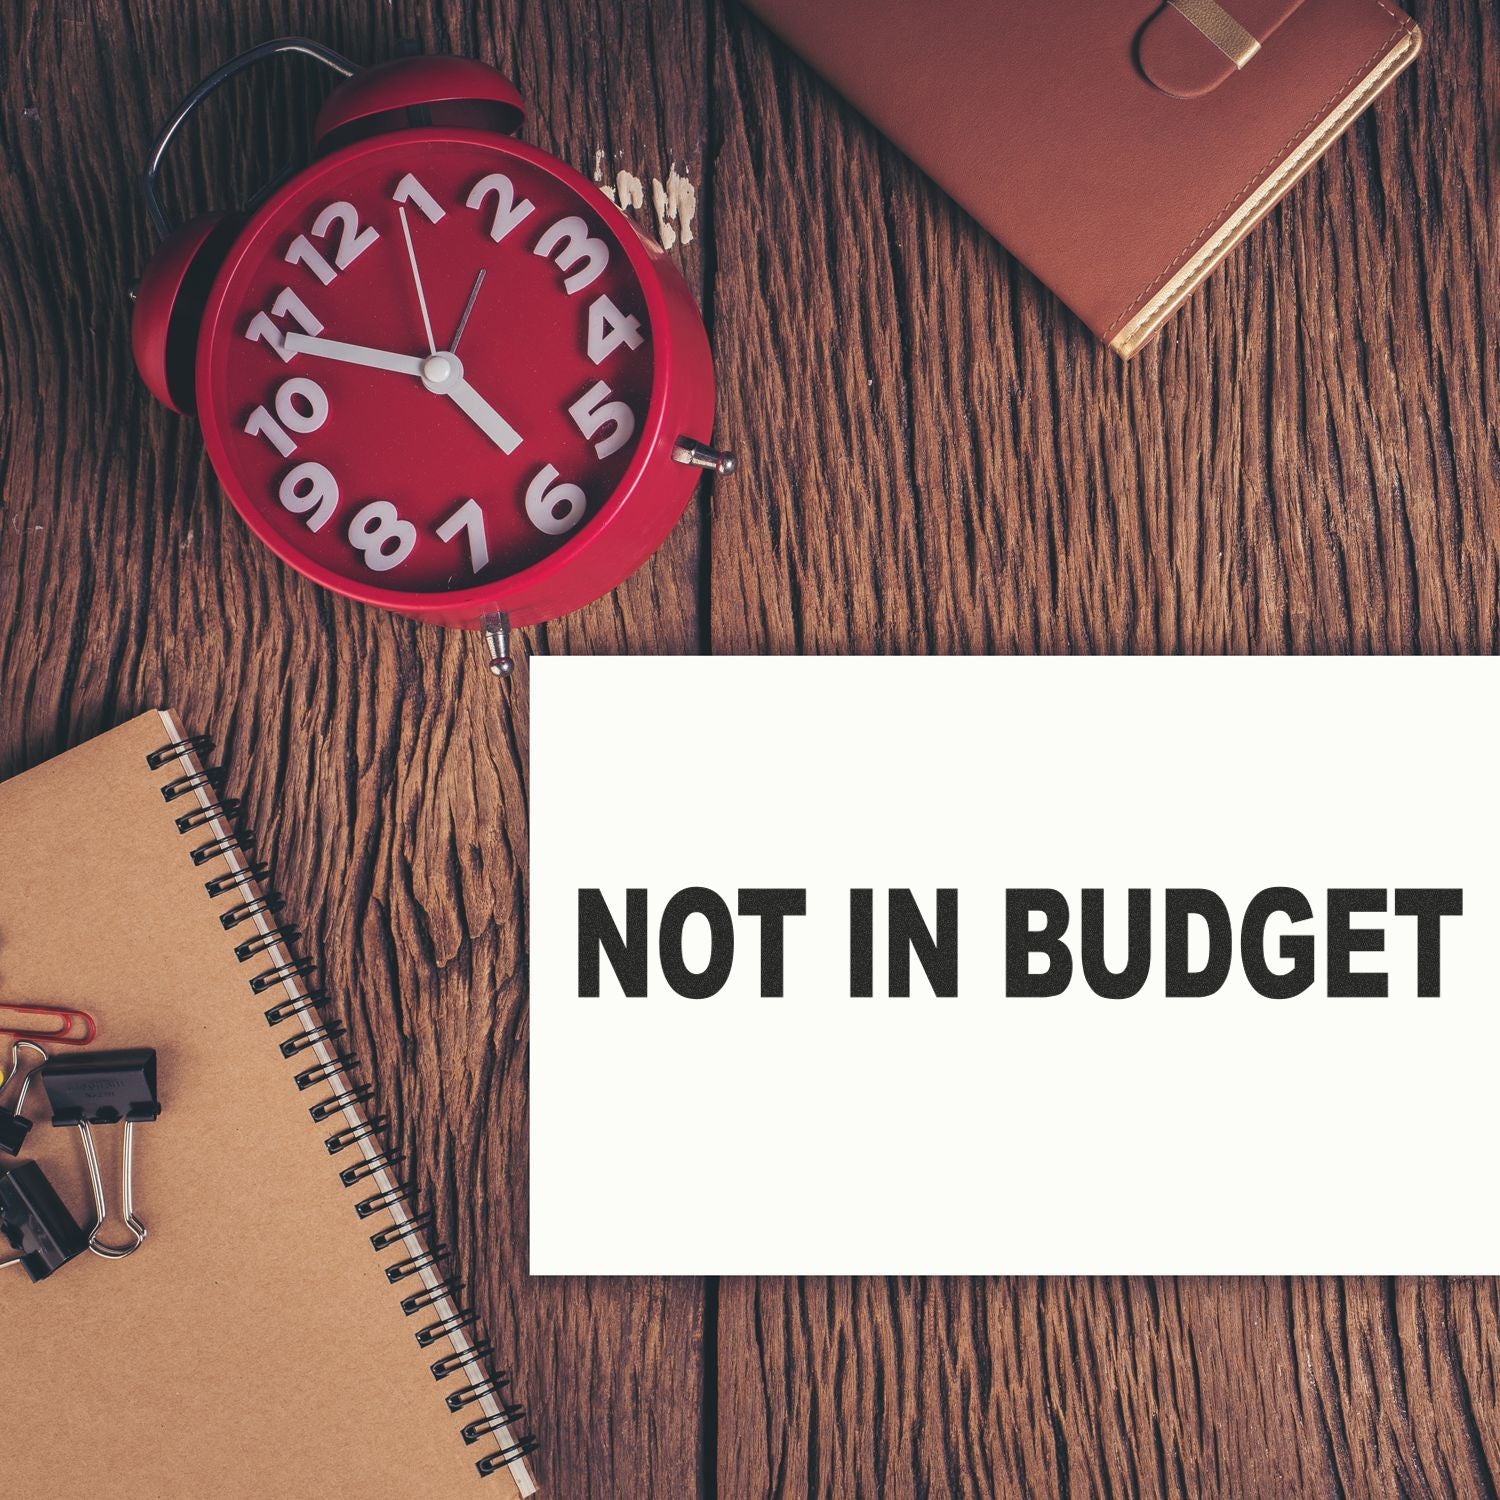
936	458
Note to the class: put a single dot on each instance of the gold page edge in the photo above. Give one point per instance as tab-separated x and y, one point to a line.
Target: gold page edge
1143	327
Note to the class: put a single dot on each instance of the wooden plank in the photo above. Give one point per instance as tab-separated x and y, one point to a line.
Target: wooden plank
945	461
1157	1387
382	768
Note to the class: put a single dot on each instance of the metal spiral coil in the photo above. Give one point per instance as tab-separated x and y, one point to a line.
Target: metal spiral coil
448	1288
381	1161
504	1457
419	1224
449	1364
225	810
470	1356
489	1385
218	847
246	910
414	1265
329	1033
343	1139
298	968
367	1208
298	1005
184	786
285	936
340	1062
486	1425
434	1332
198	744
236	880
336	1104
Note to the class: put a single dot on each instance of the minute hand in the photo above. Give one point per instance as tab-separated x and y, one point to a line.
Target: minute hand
353	354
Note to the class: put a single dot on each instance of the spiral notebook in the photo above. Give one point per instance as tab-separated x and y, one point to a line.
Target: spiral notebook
286	1329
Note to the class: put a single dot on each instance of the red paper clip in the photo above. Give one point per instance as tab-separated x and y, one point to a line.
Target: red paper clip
47	1023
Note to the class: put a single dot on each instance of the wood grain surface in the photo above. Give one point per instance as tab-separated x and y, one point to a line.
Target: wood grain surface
935	458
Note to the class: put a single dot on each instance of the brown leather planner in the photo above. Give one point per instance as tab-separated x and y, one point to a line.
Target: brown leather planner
1119	148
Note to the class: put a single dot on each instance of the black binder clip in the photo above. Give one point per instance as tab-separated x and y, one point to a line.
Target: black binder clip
36	1224
106	1088
14	1126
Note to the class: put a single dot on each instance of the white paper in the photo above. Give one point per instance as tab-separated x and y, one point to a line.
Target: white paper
819	1133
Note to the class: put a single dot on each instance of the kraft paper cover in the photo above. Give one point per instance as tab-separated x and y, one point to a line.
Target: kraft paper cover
253	1347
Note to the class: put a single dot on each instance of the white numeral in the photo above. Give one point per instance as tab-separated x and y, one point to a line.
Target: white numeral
310	487
556	509
353	242
468	517
593	410
301	405
508	213
287	305
610	329
262	424
409	190
303	252
384	538
569	242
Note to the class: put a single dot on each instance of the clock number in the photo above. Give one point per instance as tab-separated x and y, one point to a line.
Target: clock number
263	424
287	305
384	538
300	404
409	190
593	410
508	213
469	518
553	508
310	487
610	329
353	242
569	243
303	252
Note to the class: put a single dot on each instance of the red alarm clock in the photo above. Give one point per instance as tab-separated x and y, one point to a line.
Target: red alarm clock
437	369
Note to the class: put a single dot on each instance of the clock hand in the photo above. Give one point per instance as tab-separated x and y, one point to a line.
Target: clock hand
416	277
463	321
353	354
443	374
440	373
483	415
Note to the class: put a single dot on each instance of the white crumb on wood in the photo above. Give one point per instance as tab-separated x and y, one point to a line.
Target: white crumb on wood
676	203
630	190
664	231
599	181
627	189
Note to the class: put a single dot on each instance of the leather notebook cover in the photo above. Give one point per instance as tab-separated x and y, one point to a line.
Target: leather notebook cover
254	1345
1118	148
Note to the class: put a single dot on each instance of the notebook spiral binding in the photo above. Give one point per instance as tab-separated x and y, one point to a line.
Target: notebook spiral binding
242	886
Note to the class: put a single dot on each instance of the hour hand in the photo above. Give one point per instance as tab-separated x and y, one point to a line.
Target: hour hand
352	354
484	416
443	374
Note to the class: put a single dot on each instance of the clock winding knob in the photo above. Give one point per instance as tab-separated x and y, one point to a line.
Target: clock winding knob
701	456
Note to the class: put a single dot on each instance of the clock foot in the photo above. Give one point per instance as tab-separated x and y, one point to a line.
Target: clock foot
701	456
496	629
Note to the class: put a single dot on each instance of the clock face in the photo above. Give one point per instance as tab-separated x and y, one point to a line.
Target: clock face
428	364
